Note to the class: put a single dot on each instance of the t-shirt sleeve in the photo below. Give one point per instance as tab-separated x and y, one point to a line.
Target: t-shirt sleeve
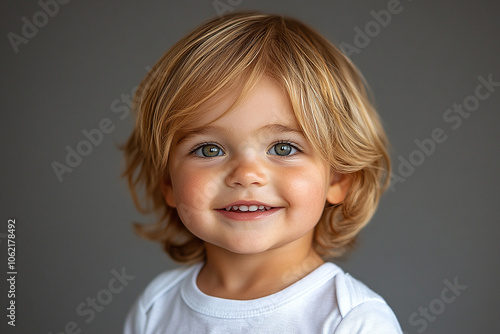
135	321
137	318
369	317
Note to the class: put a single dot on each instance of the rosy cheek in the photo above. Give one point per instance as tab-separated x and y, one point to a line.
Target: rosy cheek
201	185
188	187
306	191
194	190
310	191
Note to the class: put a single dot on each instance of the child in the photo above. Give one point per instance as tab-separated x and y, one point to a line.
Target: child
256	142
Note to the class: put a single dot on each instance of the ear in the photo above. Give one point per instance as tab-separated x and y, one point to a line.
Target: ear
339	186
167	190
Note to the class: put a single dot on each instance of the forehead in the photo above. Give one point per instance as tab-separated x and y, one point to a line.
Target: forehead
266	103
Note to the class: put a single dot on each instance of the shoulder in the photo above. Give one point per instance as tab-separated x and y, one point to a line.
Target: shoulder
162	284
159	286
361	309
351	293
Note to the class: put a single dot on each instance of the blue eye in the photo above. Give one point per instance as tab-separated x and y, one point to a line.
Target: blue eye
282	149
208	151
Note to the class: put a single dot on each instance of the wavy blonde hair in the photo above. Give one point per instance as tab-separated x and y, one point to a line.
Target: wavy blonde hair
328	95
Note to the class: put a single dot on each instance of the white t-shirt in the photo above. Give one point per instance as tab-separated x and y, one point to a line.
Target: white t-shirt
325	301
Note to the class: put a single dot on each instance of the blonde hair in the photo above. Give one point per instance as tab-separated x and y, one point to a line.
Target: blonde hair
328	95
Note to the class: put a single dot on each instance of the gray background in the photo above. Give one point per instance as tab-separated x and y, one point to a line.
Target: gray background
440	224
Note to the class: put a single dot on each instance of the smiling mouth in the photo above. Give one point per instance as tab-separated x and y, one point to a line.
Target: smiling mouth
248	208
248	211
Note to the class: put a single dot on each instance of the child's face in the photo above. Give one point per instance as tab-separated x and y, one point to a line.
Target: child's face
253	157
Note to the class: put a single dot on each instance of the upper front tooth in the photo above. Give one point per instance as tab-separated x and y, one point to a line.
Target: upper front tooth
245	208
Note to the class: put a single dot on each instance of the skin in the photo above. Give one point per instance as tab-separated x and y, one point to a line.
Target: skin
253	258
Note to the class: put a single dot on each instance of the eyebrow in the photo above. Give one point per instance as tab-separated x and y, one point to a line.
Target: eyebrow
209	129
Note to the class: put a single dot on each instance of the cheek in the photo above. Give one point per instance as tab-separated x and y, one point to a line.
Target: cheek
192	185
306	192
188	186
187	190
193	190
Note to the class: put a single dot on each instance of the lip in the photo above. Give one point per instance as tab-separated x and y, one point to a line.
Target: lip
245	216
248	215
247	203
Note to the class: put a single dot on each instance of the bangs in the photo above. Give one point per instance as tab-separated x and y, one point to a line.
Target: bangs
229	55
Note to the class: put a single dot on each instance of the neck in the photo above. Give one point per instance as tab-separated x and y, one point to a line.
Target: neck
249	276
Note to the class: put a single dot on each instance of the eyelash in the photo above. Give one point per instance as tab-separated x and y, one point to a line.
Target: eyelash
287	142
193	151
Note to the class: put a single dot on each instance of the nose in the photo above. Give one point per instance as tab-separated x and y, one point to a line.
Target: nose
246	171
